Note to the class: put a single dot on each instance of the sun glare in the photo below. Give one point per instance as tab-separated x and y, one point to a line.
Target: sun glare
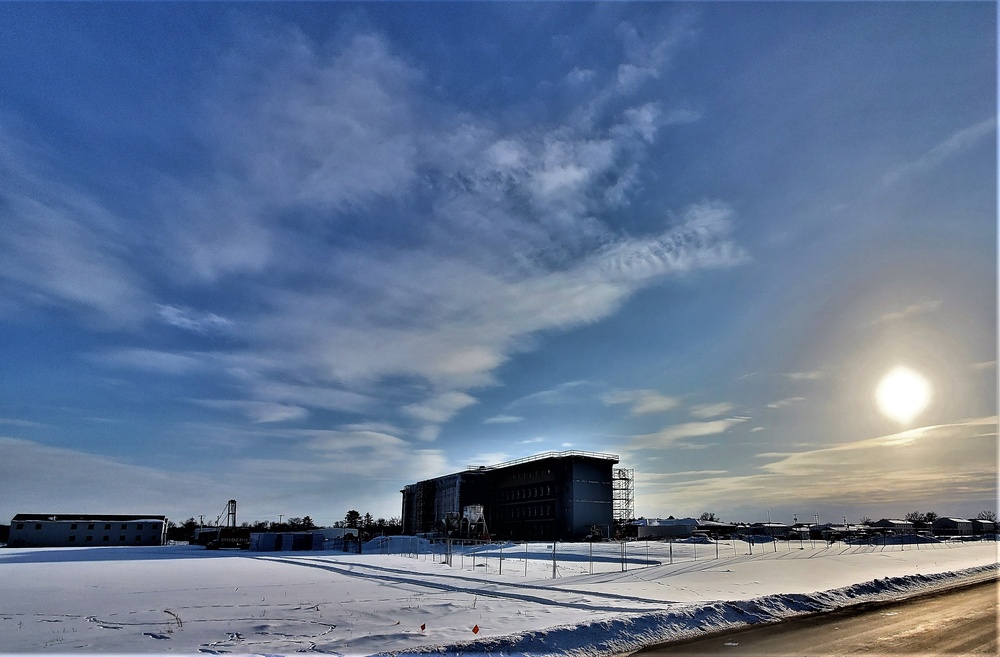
903	394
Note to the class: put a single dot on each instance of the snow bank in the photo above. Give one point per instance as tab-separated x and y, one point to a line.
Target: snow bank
628	634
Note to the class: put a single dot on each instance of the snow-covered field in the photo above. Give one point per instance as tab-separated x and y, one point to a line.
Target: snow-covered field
184	599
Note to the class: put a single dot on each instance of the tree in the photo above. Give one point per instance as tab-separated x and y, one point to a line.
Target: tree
307	523
709	516
921	519
352	519
865	520
987	515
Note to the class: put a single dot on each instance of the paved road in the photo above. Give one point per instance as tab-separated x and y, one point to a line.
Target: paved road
958	622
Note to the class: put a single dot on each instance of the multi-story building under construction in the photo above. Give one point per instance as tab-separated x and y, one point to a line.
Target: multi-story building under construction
550	496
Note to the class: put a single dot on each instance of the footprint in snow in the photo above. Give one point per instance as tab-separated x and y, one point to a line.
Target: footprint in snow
153	635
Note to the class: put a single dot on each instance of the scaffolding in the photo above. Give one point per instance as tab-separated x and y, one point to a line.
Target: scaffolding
623	494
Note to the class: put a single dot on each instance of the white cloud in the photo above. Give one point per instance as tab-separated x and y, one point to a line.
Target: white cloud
677	433
929	466
258	411
920	308
503	419
441	408
812	375
706	411
192	320
466	238
984	365
642	401
580	75
787	401
61	248
564	393
150	360
20	423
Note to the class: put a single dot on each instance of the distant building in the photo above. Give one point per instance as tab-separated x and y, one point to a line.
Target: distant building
951	527
550	496
668	528
81	530
775	529
980	527
892	525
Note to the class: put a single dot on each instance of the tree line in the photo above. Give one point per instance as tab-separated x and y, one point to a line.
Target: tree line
353	520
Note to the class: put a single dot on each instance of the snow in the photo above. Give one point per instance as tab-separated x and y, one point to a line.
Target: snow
185	599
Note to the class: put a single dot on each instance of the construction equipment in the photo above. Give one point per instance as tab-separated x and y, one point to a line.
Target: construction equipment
228	535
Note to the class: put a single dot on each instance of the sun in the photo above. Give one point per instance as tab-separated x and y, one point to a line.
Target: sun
903	394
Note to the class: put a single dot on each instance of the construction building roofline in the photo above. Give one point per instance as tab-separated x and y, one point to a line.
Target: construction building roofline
546	455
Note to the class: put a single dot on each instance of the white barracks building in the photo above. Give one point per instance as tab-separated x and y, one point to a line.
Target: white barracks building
78	530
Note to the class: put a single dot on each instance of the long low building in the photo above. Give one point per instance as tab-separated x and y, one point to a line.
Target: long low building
550	496
84	530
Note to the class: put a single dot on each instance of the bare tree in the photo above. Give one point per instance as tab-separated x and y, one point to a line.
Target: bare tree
987	515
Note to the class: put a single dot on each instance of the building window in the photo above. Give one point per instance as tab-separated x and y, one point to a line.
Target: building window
38	525
138	526
106	538
72	539
73	526
90	538
121	539
138	538
124	526
107	527
90	526
20	525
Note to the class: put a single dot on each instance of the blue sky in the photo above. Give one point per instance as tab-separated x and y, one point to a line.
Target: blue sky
301	255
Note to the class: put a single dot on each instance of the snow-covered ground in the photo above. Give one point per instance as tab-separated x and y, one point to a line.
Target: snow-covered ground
186	599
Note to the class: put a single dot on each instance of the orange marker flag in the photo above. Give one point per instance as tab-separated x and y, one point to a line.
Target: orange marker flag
475	630
423	626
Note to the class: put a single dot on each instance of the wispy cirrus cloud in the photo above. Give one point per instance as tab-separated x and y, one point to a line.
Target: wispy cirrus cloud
642	402
919	308
61	247
150	360
956	143
258	411
936	464
503	419
372	233
787	401
811	375
192	320
706	411
680	433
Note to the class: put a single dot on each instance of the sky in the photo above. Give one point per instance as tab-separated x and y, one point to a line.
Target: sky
303	254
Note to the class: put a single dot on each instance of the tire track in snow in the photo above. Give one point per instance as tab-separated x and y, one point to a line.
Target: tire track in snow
515	585
449	588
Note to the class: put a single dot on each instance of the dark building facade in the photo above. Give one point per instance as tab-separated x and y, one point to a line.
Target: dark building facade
551	496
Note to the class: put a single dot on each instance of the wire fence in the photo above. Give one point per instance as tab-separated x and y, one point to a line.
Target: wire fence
554	559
